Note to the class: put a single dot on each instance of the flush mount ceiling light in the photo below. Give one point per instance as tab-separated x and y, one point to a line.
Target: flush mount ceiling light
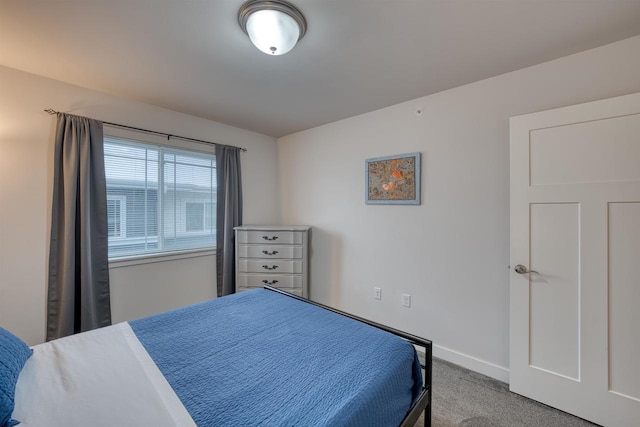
274	26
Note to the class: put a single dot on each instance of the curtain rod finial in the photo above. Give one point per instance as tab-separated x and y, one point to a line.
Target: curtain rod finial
50	111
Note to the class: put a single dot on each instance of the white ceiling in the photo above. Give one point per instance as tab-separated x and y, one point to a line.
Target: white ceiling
357	56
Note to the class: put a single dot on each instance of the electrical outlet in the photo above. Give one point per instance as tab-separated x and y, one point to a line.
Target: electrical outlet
377	293
406	300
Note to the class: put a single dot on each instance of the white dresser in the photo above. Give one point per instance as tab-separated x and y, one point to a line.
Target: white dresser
273	255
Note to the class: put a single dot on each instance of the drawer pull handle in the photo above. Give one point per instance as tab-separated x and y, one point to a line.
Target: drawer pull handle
266	282
266	267
270	238
270	253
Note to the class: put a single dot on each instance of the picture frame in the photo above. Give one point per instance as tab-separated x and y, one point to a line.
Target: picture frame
393	180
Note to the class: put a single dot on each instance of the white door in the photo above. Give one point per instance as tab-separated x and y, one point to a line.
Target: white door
575	220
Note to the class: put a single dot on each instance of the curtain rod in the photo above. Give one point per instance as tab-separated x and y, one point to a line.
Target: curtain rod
169	136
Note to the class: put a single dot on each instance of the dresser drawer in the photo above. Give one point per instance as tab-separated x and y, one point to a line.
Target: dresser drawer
269	251
270	237
260	280
269	266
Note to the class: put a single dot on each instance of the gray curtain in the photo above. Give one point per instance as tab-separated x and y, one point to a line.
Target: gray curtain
78	297
228	215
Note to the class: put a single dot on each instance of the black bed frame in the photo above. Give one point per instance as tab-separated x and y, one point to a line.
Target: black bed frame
424	400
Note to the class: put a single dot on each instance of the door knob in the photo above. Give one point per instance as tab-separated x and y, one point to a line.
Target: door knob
521	269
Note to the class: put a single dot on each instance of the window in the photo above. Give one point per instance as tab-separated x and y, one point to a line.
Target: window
116	216
159	199
195	216
199	216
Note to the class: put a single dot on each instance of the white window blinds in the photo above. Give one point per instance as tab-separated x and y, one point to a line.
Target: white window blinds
159	199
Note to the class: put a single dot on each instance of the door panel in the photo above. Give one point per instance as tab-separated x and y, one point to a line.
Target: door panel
604	150
624	294
554	298
575	219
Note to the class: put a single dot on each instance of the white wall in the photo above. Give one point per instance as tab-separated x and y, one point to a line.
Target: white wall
26	152
141	290
451	253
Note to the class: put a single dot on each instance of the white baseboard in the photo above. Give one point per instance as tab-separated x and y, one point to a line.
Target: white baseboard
489	369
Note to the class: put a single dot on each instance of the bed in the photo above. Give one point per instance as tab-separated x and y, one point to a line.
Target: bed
261	357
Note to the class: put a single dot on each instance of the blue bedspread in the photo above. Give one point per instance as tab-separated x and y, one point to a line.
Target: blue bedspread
260	358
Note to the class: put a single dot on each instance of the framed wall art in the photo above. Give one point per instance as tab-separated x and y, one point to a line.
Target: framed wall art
393	180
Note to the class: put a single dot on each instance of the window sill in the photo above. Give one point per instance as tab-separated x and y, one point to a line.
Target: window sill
160	257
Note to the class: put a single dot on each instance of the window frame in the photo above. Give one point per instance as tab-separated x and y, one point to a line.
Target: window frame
127	136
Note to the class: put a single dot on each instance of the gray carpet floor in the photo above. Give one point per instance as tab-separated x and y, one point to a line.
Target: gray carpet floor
467	399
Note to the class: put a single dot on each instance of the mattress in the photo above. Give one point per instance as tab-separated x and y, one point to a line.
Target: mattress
249	359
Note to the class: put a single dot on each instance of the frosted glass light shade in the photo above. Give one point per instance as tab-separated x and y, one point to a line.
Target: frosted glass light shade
272	31
274	26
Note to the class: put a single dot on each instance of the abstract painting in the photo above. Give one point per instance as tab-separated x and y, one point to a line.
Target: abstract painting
393	180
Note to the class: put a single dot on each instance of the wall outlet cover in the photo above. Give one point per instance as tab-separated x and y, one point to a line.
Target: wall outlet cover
406	300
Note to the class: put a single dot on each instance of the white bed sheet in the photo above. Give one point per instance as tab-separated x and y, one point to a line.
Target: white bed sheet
99	378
